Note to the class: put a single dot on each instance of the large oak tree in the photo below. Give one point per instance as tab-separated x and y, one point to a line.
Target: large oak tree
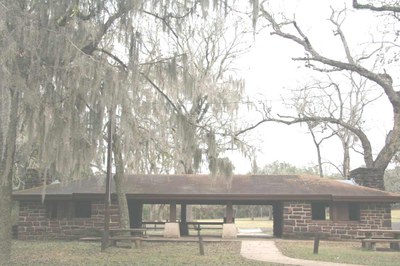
354	62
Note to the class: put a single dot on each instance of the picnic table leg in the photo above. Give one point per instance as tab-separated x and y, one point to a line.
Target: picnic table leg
395	246
138	243
367	245
373	246
201	244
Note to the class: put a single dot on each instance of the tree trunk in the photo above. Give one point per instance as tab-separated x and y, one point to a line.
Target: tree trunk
318	147
346	158
320	170
119	183
392	144
5	223
6	172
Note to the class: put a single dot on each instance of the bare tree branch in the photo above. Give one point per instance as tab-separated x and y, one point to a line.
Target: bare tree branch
390	8
384	80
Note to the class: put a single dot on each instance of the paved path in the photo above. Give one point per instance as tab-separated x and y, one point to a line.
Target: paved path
267	251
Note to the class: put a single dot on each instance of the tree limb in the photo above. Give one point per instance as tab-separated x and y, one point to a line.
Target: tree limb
288	120
390	8
384	80
176	109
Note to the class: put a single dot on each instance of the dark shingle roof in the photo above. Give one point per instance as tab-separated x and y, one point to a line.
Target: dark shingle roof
206	187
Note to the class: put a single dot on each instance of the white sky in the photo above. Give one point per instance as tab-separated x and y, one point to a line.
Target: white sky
268	69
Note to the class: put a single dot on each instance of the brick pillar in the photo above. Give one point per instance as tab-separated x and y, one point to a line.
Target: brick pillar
368	177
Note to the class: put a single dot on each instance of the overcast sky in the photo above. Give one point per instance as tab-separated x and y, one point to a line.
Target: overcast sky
270	73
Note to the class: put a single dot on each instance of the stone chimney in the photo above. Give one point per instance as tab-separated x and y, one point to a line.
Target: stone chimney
33	178
368	177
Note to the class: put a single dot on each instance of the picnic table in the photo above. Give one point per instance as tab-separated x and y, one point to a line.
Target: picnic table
153	225
205	225
374	236
137	231
136	235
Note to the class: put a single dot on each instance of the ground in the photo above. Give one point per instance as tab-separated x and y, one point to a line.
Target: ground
84	253
338	251
227	253
168	253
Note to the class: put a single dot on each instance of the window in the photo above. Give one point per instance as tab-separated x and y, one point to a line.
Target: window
58	209
52	210
320	211
345	211
354	212
82	209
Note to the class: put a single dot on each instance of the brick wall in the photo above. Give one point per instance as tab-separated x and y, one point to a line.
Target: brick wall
33	223
298	223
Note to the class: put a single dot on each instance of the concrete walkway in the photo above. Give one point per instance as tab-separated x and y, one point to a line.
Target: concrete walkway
267	251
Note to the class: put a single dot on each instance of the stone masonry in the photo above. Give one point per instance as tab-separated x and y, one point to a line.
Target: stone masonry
368	177
297	221
34	223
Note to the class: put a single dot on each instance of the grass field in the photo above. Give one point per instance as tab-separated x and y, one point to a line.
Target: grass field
226	253
338	251
256	223
84	253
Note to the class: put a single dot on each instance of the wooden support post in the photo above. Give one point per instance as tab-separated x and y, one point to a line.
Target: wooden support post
229	213
135	213
201	243
184	230
316	243
172	213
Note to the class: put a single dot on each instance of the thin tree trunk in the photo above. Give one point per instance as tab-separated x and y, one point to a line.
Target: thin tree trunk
107	199
119	183
6	172
321	171
318	147
346	159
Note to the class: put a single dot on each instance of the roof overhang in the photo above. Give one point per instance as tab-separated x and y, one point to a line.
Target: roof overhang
240	189
214	198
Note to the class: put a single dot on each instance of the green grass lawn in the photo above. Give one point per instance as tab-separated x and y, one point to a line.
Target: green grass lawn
338	251
256	223
166	253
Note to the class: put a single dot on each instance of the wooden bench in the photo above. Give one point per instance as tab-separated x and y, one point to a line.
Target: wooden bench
134	235
370	243
134	239
374	236
363	244
153	225
133	231
206	225
95	238
198	226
